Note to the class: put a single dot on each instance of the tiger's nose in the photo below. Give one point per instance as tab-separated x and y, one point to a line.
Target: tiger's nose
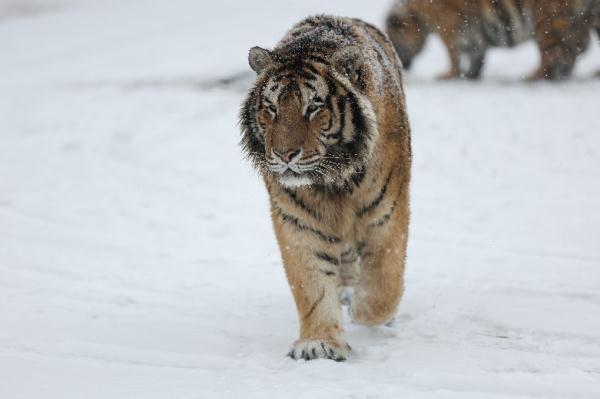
287	156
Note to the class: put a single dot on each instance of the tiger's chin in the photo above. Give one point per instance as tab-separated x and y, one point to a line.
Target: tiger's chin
294	180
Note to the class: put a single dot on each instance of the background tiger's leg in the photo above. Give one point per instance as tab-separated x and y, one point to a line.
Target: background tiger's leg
311	271
476	61
556	65
454	55
381	283
559	39
553	60
598	32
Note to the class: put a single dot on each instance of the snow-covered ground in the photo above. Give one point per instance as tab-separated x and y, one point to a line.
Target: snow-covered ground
136	253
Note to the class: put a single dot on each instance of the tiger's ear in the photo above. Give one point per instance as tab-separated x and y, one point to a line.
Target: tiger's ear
348	61
259	59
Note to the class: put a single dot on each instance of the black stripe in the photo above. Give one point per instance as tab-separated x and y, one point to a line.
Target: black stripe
359	176
328	258
330	121
329	105
349	256
318	59
300	226
347	252
331	85
328	272
280	77
331	136
360	246
341	103
377	200
348	186
490	33
351	260
306	75
504	16
311	69
358	119
386	218
301	204
519	6
314	306
310	86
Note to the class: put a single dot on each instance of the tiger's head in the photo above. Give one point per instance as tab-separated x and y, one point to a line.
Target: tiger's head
408	32
306	121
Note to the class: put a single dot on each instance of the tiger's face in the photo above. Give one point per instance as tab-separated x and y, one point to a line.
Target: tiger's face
409	34
293	115
304	122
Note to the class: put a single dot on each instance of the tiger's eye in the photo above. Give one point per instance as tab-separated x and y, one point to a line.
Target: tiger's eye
273	109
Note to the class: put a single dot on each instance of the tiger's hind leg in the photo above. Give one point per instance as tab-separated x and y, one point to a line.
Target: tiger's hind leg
349	273
561	37
555	66
381	283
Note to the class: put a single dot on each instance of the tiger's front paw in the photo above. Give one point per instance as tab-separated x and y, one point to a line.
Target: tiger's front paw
319	349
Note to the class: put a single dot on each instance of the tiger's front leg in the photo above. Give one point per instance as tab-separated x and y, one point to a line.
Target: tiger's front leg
451	42
454	71
311	261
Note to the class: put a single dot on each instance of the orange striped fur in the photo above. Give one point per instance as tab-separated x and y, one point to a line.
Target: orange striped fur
469	27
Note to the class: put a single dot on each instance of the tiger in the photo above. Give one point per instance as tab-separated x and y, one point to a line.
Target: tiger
561	29
325	125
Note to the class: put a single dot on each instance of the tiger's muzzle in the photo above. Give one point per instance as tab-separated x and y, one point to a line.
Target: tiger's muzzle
292	167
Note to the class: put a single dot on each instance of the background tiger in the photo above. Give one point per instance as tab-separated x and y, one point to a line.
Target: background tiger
594	19
469	27
326	126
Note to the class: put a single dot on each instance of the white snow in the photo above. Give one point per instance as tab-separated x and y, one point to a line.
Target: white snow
137	258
